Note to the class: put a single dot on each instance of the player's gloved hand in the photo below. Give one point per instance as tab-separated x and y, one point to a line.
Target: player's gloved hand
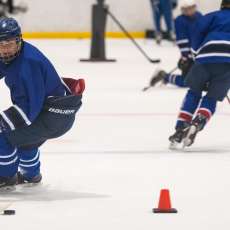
185	64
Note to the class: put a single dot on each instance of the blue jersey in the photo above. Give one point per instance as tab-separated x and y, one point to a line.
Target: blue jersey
31	79
184	26
211	43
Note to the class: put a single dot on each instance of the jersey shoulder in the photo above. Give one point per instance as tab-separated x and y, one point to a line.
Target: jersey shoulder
217	21
32	54
199	14
213	14
180	18
181	22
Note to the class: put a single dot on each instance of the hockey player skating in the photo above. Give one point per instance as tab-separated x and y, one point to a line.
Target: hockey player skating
44	107
211	70
184	25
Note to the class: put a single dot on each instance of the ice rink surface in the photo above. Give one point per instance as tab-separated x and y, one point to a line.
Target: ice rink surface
108	171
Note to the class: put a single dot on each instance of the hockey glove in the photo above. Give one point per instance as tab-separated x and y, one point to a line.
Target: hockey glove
185	65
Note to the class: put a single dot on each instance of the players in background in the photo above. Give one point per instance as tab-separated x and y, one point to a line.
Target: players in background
184	25
211	46
159	8
43	106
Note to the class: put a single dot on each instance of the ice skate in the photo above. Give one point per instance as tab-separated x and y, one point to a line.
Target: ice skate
158	38
21	180
177	138
7	184
197	125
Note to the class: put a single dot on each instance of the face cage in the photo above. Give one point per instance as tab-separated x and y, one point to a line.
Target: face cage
184	10
8	59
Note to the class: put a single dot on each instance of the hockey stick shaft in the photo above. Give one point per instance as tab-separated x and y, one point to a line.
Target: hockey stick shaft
131	38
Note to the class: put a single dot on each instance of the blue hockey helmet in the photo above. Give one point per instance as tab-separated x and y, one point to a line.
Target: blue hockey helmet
10	39
9	28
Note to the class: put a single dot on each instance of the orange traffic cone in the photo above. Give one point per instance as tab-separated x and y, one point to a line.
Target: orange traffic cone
164	205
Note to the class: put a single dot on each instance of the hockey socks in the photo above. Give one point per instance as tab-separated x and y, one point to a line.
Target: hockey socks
174	79
188	108
204	113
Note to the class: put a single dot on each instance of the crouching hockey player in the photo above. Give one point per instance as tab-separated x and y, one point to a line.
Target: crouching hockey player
184	25
211	71
44	106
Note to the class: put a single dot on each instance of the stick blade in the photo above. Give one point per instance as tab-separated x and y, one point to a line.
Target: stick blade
155	60
146	88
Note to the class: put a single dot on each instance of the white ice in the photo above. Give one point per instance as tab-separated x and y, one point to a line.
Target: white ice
107	173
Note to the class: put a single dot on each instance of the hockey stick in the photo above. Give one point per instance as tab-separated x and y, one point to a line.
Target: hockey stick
148	87
131	38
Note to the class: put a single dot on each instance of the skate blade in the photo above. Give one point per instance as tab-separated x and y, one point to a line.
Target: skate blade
174	146
29	185
187	141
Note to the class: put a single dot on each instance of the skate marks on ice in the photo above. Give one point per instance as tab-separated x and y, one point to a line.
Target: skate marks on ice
209	150
201	150
45	193
166	150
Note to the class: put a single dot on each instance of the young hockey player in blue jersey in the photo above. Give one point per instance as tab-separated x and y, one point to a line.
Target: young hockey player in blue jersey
184	25
210	73
44	106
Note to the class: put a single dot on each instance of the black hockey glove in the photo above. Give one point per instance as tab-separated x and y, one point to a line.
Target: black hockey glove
185	65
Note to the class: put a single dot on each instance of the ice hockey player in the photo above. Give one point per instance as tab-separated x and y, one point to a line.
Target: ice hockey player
211	70
184	25
43	106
